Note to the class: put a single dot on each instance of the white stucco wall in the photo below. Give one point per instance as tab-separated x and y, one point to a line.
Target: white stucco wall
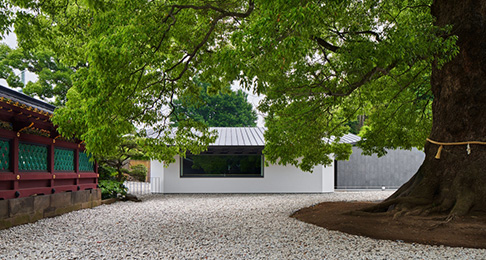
277	179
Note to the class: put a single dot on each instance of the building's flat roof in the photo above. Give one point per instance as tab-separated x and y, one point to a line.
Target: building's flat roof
16	96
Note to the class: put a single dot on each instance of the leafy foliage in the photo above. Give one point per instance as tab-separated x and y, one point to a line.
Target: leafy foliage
112	189
139	172
128	149
54	78
8	65
5	18
109	185
226	108
135	49
320	64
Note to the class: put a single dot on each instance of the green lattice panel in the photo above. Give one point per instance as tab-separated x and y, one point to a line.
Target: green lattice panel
84	164
63	159
4	155
32	157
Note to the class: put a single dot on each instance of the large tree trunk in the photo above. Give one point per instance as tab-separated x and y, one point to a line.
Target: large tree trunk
456	183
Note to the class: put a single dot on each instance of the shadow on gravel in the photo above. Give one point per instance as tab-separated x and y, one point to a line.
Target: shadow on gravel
467	231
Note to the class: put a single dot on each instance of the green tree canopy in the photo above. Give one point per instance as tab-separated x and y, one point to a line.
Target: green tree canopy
127	150
225	108
5	18
319	65
53	78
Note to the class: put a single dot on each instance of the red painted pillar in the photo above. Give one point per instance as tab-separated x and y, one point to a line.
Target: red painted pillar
76	166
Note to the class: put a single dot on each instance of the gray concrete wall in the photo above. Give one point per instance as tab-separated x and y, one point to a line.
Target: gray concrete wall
371	172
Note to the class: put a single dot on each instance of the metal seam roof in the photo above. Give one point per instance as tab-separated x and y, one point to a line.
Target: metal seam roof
239	136
254	136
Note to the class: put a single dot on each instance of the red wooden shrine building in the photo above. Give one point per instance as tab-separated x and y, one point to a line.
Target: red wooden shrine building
34	158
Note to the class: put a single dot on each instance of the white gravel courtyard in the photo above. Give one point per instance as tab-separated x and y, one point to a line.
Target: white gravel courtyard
239	226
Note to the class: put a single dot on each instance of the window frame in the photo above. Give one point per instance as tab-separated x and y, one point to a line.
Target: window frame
224	176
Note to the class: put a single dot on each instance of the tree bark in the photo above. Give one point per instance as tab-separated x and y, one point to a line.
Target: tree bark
455	184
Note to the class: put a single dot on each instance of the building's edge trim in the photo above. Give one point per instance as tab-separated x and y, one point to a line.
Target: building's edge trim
22	98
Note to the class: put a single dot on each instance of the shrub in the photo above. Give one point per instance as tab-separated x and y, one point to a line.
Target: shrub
112	189
139	172
106	172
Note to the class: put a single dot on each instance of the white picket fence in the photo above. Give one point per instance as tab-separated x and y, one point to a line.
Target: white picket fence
142	188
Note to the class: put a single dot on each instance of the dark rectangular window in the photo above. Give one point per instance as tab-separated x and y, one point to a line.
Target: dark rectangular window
219	165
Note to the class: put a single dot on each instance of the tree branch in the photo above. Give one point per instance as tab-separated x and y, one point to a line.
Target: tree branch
208	34
341	34
251	6
186	59
325	44
365	79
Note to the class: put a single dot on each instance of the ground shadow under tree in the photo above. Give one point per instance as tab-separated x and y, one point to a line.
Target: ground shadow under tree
468	231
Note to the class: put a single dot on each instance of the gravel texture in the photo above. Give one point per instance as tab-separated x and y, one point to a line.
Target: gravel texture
208	226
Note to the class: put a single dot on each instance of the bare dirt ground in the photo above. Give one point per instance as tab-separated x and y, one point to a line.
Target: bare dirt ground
469	231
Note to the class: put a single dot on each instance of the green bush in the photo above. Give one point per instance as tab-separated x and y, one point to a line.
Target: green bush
139	172
112	189
106	172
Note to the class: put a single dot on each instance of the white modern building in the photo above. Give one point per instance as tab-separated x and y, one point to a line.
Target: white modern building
234	163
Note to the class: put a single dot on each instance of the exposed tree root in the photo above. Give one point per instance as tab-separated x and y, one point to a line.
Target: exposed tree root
445	221
365	213
385	205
